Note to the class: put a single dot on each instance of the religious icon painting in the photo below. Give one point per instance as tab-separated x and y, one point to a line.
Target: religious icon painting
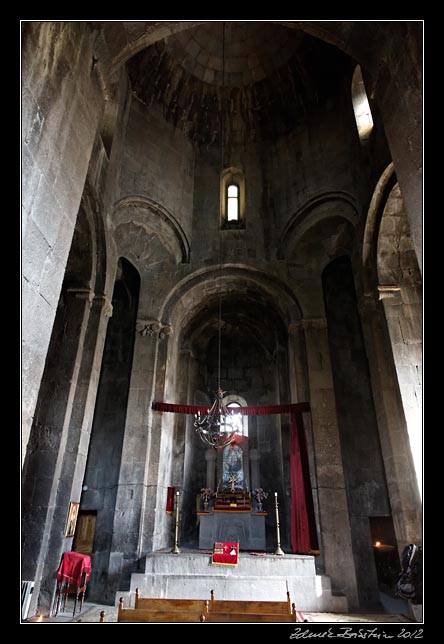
72	519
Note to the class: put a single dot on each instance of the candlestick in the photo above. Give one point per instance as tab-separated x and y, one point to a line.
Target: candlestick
176	549
278	550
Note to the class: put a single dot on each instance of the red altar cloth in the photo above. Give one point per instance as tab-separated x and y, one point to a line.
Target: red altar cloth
72	567
225	553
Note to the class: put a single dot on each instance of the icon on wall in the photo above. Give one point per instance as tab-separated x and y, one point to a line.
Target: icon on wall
72	519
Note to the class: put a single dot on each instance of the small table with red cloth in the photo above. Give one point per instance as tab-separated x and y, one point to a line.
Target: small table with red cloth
225	553
72	577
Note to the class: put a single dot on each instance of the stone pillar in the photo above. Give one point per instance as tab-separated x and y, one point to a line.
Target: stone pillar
398	461
403	312
210	457
333	507
136	501
60	116
79	432
254	465
48	443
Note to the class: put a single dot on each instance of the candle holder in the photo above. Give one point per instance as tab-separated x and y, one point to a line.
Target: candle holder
278	550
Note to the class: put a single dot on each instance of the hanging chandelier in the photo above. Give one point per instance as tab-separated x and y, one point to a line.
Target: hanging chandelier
216	428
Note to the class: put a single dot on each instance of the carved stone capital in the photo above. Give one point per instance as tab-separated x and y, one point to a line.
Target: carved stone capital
81	293
153	328
105	303
167	329
390	293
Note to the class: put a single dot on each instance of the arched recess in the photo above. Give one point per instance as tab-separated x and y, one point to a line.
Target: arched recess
102	474
254	365
53	468
318	208
154	219
379	199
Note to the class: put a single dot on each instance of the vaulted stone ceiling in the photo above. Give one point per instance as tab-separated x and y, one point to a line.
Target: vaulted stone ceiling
264	84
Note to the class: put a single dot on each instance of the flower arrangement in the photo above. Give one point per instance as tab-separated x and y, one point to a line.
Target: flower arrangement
259	494
207	493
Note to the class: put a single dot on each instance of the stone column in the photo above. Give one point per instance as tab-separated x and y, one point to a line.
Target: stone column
136	500
210	457
398	461
403	312
59	126
333	507
79	432
48	442
254	465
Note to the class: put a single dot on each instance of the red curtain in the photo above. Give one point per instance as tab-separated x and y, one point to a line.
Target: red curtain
262	410
304	537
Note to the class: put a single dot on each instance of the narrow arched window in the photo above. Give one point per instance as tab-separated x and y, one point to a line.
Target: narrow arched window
240	423
361	106
232	202
232	199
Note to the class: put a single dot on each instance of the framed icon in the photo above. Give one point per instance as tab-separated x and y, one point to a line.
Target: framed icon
72	519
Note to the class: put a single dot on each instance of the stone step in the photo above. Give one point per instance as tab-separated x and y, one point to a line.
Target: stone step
192	576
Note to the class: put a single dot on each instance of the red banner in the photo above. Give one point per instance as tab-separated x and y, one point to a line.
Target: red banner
170	500
262	410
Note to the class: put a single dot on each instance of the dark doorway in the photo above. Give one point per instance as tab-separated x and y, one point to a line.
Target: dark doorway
84	536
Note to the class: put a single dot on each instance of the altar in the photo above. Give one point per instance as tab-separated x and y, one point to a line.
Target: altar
233	514
247	528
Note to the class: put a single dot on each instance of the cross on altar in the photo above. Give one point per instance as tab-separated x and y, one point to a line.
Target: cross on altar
233	479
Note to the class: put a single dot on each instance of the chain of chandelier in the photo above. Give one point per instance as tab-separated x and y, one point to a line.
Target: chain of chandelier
215	428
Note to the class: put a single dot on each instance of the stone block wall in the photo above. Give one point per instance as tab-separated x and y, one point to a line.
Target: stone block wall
61	107
158	161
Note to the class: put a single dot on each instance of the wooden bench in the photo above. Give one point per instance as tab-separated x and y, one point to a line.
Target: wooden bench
148	615
257	607
150	610
246	606
247	617
180	605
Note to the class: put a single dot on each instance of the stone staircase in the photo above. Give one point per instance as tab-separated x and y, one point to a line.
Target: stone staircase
190	575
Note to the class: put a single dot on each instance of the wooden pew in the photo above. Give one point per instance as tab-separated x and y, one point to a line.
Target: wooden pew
256	607
213	618
144	615
178	605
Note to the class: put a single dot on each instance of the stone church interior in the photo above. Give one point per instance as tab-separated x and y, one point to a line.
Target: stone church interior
221	311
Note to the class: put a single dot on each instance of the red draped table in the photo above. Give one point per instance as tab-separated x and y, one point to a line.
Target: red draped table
73	573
